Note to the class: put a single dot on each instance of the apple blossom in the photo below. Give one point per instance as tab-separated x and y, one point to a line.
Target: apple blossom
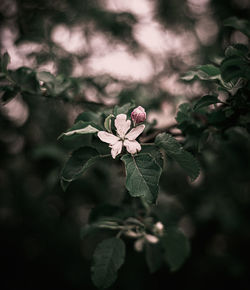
138	115
122	138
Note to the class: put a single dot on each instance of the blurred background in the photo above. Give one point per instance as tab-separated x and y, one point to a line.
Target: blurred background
117	51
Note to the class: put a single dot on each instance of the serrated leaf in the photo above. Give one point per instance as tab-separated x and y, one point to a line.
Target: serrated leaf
206	101
154	256
142	176
108	257
154	152
183	114
78	163
81	128
174	150
187	161
177	248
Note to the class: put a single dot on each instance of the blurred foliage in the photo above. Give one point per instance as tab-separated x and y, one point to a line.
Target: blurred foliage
40	224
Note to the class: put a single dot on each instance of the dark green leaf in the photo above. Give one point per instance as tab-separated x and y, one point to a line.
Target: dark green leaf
26	79
176	247
237	49
142	176
206	101
154	256
107	259
209	69
78	163
123	109
89	117
9	94
5	60
174	150
239	24
154	152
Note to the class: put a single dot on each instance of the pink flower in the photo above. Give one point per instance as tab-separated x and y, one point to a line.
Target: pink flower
122	138
138	115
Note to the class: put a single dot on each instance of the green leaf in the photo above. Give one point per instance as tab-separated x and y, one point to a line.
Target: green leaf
81	128
5	60
176	247
234	67
237	49
154	256
209	69
107	123
203	72
9	94
45	76
206	101
123	109
89	117
239	24
26	79
108	257
142	176
183	115
154	152
174	150
77	164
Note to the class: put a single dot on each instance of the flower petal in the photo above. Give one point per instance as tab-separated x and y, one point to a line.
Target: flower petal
132	146
116	149
122	125
135	132
107	137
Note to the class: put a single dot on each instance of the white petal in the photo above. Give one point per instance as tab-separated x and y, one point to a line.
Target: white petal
122	125
132	146
116	149
152	239
107	137
135	132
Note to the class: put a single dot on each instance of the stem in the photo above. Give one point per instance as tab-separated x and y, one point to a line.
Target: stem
104	156
146	206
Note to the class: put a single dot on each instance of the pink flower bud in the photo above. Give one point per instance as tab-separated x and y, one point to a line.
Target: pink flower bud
138	115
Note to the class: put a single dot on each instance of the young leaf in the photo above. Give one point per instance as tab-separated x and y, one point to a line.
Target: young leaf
107	123
107	259
77	164
81	128
45	76
176	247
142	176
206	101
174	150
